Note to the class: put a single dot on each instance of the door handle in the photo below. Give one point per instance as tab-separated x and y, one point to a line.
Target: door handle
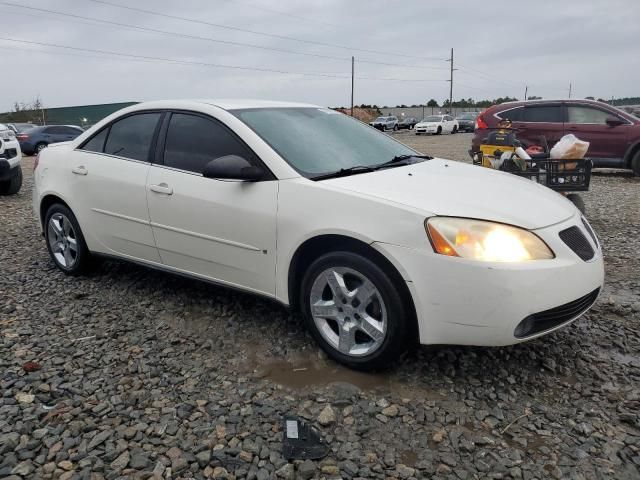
80	170
162	188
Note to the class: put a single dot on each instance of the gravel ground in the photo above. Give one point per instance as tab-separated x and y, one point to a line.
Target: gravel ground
131	373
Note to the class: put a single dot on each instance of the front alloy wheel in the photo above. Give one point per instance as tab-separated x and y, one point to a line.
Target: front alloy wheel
348	311
354	310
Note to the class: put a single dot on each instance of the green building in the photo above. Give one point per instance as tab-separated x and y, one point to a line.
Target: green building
83	115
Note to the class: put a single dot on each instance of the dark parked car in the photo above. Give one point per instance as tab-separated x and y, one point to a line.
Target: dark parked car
37	138
467	121
614	135
407	123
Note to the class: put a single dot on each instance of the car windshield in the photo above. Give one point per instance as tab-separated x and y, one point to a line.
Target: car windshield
318	141
466	116
433	118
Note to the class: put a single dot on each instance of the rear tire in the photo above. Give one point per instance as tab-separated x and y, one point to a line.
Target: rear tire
12	186
577	200
39	147
65	242
635	164
359	318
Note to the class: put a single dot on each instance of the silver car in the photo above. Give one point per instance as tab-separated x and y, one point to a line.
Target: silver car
385	123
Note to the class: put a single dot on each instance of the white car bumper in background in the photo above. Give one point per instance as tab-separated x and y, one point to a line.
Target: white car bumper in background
10	157
467	302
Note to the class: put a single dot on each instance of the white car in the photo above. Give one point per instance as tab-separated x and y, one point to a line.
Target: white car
437	124
10	158
378	246
389	122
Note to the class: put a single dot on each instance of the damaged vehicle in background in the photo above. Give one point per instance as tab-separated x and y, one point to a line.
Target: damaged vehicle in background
375	243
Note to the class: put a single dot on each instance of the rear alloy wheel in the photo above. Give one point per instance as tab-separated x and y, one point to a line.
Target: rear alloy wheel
65	241
40	147
354	311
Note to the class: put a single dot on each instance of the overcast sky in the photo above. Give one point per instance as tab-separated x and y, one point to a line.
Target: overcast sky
499	47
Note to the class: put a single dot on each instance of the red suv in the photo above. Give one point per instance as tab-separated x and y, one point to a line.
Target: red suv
614	135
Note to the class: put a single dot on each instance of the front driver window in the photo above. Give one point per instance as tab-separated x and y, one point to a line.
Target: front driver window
587	115
193	141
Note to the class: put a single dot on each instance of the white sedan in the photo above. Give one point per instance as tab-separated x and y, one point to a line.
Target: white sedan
437	124
378	246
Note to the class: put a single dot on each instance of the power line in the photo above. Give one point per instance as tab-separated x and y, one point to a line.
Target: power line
215	65
208	39
255	32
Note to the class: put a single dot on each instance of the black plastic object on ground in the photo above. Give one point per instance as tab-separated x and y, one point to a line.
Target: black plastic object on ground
301	441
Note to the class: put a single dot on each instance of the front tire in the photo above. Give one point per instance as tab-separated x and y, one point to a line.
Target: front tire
577	201
12	186
65	242
439	131
454	130
354	311
635	164
395	128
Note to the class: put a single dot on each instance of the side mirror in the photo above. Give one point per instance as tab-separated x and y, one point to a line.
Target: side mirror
614	121
232	167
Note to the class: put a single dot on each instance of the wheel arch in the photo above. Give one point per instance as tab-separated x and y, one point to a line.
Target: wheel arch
631	152
45	203
314	247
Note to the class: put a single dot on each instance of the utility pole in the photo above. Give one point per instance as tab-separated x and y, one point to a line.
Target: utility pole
451	83
526	89
569	89
423	110
352	72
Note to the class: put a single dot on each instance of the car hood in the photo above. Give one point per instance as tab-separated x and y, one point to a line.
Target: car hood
428	124
450	188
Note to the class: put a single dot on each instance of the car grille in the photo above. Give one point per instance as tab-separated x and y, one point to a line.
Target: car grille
576	241
542	321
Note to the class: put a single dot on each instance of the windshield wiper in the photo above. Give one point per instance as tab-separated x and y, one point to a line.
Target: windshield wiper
345	172
401	160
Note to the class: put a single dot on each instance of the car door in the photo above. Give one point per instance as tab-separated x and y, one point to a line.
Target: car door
589	123
541	123
108	176
221	230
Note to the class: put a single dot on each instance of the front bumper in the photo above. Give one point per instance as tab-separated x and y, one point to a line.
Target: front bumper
426	129
467	302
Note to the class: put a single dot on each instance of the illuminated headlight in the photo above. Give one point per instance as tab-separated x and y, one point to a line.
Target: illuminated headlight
484	241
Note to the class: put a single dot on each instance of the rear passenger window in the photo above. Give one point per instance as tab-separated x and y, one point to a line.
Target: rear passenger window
193	141
543	113
515	114
131	137
96	143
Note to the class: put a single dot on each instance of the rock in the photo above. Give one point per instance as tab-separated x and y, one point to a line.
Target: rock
306	469
327	416
23	468
25	397
220	472
65	465
404	471
203	458
439	436
390	411
330	470
121	462
245	456
287	471
139	459
99	439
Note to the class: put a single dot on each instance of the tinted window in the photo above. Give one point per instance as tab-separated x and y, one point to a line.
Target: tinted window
515	114
578	114
70	131
54	130
131	137
543	113
193	141
96	143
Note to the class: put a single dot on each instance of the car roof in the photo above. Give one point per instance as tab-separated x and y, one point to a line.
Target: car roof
554	100
225	104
